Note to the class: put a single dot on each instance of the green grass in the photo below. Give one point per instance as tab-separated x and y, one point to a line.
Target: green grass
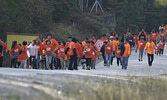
13	97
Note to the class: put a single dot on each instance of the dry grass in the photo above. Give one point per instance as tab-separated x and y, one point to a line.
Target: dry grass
145	89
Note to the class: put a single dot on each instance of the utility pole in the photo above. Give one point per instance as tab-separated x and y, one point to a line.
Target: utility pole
95	6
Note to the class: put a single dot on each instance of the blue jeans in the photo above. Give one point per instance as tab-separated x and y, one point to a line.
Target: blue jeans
38	60
124	61
108	59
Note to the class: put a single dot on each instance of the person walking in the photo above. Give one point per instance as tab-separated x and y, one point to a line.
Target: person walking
109	51
2	47
140	47
125	53
149	48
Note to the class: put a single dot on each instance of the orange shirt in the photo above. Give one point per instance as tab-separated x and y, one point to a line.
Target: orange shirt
54	43
127	51
154	35
79	50
148	37
104	39
71	48
49	48
162	35
94	54
67	56
88	51
83	43
150	47
23	55
134	38
162	44
15	50
118	53
114	44
4	46
140	45
117	42
109	49
61	51
94	40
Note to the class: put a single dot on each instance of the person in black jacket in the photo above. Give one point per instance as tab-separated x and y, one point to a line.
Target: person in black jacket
103	52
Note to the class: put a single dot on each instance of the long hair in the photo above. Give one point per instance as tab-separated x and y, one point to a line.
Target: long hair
14	44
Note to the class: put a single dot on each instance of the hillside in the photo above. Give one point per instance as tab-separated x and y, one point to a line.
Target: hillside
73	17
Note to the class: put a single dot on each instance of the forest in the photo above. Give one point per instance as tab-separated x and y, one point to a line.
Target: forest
64	17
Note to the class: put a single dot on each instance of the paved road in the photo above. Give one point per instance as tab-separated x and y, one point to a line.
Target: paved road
135	68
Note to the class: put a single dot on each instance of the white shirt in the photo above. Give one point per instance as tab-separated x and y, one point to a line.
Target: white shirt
32	50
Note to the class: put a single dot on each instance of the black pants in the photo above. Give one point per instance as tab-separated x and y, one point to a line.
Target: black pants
118	60
58	66
14	63
88	62
112	57
104	58
73	63
33	62
150	59
1	61
161	51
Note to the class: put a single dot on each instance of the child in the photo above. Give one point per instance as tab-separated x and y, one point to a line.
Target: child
83	61
162	45
103	52
49	50
158	49
14	53
23	55
94	54
118	55
88	54
33	54
109	51
61	54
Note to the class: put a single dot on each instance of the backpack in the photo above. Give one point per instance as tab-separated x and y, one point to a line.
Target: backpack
1	47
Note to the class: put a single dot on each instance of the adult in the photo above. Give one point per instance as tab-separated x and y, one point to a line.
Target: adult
140	47
14	53
93	39
104	38
71	51
2	47
125	53
54	43
149	48
130	39
154	35
142	34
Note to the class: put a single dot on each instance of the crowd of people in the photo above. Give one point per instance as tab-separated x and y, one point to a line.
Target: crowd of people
50	54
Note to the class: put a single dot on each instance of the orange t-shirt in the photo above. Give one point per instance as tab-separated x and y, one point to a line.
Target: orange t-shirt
23	55
54	43
127	51
162	44
88	51
94	40
140	45
15	50
4	46
118	53
104	39
109	49
49	48
162	35
114	44
150	47
61	51
79	50
154	35
94	54
71	47
134	38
